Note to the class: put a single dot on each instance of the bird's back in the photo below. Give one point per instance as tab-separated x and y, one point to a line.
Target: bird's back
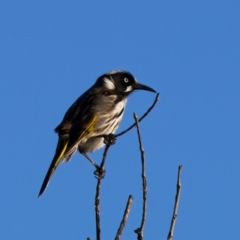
96	112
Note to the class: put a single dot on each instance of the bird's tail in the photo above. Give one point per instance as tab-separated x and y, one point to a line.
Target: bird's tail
60	151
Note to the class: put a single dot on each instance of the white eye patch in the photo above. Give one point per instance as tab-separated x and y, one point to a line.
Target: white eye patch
129	89
109	84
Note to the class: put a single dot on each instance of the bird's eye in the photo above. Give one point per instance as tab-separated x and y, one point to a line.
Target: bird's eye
105	93
125	80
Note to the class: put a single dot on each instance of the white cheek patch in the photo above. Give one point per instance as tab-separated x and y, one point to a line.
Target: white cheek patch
109	84
129	89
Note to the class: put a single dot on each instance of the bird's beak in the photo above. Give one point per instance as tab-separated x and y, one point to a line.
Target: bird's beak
143	87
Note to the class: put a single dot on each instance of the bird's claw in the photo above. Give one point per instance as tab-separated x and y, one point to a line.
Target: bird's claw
110	139
99	172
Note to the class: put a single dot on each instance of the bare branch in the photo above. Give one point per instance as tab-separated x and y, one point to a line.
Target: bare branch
100	172
141	118
139	231
104	155
125	217
97	210
175	211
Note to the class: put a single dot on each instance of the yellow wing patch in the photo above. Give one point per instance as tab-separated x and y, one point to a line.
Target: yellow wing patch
90	127
61	154
57	161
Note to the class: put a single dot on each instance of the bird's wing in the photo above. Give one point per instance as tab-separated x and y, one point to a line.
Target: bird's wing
79	119
77	122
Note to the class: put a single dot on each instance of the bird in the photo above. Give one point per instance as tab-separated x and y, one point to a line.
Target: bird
98	111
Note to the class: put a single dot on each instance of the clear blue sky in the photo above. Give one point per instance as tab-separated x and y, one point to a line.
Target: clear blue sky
189	51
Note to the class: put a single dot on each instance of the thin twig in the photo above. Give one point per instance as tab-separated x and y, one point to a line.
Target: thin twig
97	209
110	139
140	230
125	217
175	211
100	176
104	155
141	118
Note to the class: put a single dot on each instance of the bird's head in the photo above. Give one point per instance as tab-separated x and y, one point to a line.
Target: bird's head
121	82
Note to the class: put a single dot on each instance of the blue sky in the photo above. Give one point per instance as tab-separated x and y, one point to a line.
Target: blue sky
189	51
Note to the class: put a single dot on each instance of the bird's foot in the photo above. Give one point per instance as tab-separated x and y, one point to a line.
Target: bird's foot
110	139
99	172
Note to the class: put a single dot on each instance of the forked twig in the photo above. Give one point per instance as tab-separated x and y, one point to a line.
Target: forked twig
125	217
139	231
110	139
175	211
141	118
